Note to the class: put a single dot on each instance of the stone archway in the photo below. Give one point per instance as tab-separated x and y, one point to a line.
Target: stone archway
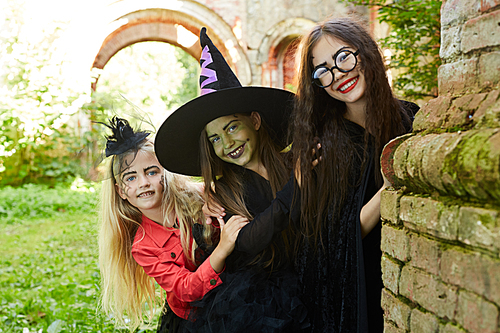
130	22
275	55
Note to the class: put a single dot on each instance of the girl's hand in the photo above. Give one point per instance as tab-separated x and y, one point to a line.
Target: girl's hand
370	213
316	159
316	154
387	183
230	231
212	209
229	234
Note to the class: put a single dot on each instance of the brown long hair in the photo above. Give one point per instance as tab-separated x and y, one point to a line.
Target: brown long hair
229	193
316	114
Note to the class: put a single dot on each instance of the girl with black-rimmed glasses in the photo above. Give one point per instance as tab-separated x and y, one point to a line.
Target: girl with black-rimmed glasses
344	99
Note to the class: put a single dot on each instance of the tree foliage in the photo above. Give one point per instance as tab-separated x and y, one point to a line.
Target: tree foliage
414	40
36	145
45	130
160	78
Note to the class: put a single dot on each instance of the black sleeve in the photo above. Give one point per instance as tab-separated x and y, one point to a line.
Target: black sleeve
410	109
258	234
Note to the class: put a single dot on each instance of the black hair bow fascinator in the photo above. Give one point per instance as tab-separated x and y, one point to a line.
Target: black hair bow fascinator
123	138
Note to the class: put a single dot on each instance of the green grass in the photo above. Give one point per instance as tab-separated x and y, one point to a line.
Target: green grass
49	274
37	201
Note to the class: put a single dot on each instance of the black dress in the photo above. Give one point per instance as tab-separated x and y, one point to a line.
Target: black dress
254	297
334	288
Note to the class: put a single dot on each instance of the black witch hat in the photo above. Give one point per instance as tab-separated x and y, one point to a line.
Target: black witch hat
123	138
177	140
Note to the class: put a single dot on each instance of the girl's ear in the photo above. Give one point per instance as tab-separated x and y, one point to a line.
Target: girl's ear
256	120
120	192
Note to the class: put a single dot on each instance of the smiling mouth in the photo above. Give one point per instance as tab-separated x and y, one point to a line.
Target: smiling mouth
237	152
146	194
348	85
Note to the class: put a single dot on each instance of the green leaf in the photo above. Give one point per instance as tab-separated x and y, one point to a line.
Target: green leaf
56	326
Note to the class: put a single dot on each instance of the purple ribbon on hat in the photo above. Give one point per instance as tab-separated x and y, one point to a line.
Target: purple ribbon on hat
210	74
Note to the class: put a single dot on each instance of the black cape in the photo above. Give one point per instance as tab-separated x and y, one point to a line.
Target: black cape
342	281
254	297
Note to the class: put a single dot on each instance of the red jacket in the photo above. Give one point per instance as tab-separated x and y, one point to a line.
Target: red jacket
159	251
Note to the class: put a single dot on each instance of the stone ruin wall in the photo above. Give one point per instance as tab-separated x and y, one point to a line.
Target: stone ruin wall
441	219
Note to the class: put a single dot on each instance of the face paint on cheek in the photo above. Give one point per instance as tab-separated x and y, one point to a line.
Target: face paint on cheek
162	182
125	189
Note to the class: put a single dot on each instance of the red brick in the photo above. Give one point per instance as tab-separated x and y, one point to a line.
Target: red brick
432	163
391	273
475	314
417	151
423	322
481	32
488	4
395	243
389	206
463	169
449	328
432	114
476	101
399	160
462	102
454	12
461	163
463	108
390	328
488	165
424	254
450	44
488	107
387	158
395	310
472	271
479	227
458	77
429	292
430	216
489	68
456	118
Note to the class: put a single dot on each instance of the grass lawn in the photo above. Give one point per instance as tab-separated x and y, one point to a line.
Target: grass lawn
49	275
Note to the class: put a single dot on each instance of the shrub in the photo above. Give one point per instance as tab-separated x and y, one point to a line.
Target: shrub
40	201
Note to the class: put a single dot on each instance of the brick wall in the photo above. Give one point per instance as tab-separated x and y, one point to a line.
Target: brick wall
248	31
441	219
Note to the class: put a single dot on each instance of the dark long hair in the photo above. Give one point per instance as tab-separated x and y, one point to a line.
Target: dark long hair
318	114
229	193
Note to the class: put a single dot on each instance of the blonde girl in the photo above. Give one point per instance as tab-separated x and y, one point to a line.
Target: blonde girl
147	222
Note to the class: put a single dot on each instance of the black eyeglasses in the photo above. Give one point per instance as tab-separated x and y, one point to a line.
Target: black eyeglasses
344	60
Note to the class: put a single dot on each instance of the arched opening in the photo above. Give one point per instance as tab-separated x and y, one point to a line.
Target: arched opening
277	53
155	77
289	65
178	26
284	56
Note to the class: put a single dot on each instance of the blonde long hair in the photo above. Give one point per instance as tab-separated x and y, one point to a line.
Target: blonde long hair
125	288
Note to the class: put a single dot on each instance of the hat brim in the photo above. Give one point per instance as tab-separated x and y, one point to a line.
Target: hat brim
177	141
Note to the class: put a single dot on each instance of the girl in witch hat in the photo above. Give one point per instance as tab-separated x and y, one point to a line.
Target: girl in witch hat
148	221
232	136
